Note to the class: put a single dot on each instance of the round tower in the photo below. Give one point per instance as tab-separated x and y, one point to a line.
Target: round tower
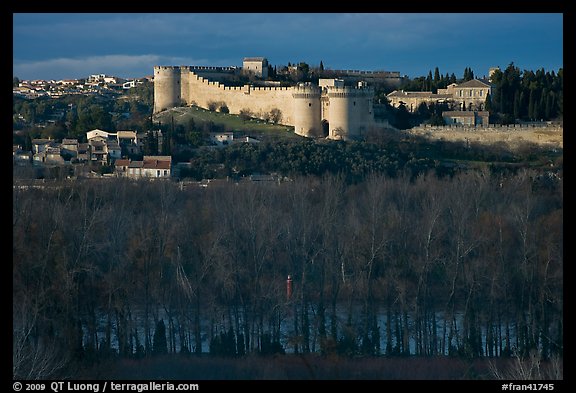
307	110
166	87
350	111
185	72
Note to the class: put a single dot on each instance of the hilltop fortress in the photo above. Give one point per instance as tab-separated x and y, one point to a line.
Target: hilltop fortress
329	109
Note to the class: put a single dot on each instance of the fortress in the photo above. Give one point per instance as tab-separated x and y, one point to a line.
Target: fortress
329	109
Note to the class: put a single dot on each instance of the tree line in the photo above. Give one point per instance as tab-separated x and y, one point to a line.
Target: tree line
387	153
469	266
527	95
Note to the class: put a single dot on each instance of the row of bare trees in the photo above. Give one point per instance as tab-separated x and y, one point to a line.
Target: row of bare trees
468	266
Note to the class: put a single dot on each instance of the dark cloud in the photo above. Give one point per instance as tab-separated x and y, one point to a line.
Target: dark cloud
410	43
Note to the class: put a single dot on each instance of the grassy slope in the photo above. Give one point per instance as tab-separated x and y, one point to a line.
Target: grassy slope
254	127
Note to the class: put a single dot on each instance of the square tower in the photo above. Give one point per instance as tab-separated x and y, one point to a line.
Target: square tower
256	65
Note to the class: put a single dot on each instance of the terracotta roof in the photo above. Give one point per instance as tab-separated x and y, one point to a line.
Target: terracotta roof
156	164
122	162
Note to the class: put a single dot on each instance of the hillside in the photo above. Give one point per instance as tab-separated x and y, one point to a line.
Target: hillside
254	127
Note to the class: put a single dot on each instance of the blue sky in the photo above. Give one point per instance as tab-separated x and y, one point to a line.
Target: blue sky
75	45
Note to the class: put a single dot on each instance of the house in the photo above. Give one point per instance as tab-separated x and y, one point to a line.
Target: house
114	150
108	146
40	145
127	137
53	155
83	152
470	95
130	84
466	118
50	155
69	147
98	133
149	167
135	169
121	167
97	151
222	138
156	168
20	157
413	99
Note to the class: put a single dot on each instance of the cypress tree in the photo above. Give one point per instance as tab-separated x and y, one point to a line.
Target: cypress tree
436	75
488	103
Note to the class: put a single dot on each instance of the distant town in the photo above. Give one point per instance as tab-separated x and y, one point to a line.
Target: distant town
98	84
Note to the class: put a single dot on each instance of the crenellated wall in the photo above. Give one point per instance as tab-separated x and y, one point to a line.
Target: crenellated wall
512	134
348	110
197	90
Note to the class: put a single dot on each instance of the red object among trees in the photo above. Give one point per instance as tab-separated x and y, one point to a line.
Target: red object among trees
289	287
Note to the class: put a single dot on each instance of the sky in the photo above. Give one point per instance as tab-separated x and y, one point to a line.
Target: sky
129	45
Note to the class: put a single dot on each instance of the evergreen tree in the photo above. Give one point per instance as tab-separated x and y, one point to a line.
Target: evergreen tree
166	143
436	76
517	104
488	103
321	66
402	118
532	114
550	104
468	74
151	144
445	81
